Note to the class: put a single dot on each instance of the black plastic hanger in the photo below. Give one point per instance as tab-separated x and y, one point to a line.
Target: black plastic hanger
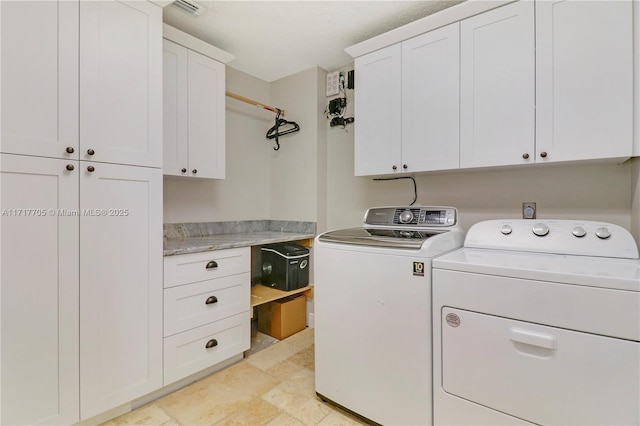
281	127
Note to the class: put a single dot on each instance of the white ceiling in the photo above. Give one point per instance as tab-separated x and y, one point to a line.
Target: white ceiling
275	39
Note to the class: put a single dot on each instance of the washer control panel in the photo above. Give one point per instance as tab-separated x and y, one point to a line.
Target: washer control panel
570	237
418	217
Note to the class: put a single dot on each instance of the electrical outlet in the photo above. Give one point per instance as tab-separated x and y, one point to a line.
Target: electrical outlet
333	83
528	210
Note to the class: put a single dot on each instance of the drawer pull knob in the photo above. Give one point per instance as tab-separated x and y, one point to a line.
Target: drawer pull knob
70	150
212	265
211	300
211	343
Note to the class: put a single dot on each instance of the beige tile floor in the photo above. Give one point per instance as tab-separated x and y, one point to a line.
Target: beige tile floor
274	386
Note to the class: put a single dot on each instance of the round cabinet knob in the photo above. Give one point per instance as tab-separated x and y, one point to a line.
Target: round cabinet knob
194	171
543	154
540	229
579	231
70	167
406	216
404	166
91	169
394	167
506	230
603	233
525	156
184	170
70	150
90	151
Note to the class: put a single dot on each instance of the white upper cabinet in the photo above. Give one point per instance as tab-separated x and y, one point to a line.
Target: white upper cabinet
194	113
121	82
430	100
584	80
497	87
378	131
40	78
174	101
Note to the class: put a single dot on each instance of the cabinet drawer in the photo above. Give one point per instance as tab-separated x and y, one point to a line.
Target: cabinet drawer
194	267
187	353
190	306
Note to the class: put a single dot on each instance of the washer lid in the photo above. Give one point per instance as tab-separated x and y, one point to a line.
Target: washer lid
602	272
381	237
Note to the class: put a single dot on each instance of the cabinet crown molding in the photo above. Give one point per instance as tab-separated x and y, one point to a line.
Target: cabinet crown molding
193	43
428	23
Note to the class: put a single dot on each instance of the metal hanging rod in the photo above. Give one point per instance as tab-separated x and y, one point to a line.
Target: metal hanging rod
254	103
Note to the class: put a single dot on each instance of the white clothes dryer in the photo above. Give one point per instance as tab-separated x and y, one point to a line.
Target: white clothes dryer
538	322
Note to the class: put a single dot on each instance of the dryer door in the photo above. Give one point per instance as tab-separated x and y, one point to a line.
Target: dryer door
540	374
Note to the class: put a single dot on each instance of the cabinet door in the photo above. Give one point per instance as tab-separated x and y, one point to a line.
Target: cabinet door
39	304
121	285
497	87
378	131
120	82
174	100
206	121
431	100
39	78
584	80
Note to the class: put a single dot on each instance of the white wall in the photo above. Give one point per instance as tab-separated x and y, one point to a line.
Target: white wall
635	199
245	194
294	167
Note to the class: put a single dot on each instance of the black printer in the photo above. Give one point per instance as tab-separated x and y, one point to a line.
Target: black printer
285	266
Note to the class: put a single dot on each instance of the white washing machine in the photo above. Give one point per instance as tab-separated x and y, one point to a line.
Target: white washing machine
538	322
372	304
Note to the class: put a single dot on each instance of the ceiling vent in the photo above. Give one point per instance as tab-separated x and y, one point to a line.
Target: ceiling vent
191	7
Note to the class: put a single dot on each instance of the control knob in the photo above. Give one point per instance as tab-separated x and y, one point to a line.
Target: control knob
579	231
506	229
603	233
406	216
540	229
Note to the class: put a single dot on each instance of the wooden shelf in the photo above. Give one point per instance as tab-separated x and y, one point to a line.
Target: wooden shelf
262	294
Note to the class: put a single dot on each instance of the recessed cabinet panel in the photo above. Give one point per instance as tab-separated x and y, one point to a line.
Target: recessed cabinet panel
194	350
39	371
206	116
378	128
194	267
40	78
120	285
431	100
120	82
174	100
497	87
193	305
584	80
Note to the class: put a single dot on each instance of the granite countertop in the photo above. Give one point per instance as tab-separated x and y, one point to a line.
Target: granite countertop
195	238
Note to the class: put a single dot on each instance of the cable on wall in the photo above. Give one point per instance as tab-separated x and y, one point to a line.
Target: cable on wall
415	188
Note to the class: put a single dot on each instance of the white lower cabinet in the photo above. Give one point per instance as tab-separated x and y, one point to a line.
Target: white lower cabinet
206	310
120	285
39	291
81	305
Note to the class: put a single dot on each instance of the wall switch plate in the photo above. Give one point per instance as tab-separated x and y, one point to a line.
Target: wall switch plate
333	83
528	210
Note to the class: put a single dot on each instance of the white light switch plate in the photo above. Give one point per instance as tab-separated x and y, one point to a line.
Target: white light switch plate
333	83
